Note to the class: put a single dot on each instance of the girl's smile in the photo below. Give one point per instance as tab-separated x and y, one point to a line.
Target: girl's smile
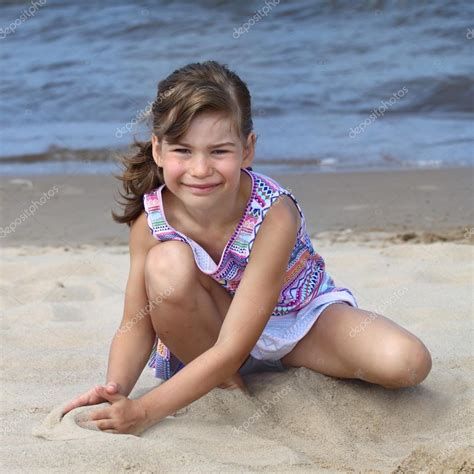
201	189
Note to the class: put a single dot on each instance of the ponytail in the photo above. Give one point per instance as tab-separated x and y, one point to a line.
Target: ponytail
140	175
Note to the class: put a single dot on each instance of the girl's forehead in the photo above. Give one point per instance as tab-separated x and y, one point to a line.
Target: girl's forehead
210	128
213	122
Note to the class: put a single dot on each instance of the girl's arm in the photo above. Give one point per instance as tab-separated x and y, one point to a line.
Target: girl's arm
248	314
132	343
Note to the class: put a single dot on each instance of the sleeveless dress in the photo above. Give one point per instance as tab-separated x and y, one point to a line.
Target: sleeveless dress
307	290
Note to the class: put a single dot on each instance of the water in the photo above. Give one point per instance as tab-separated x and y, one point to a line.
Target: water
75	74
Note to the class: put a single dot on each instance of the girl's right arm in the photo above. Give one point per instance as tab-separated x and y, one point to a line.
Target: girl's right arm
132	343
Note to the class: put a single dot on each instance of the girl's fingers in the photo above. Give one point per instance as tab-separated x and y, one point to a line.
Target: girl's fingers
98	388
77	402
105	425
91	397
100	414
86	399
81	400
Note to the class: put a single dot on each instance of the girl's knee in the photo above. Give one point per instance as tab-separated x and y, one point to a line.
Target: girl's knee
408	363
170	265
420	362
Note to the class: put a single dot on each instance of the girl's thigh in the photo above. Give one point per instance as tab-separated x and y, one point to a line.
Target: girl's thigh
350	342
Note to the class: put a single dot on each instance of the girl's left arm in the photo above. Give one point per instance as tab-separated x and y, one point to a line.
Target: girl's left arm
248	314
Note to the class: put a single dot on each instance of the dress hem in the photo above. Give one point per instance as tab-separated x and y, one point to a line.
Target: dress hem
270	347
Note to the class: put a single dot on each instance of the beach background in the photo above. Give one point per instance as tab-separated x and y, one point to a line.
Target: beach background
363	110
78	79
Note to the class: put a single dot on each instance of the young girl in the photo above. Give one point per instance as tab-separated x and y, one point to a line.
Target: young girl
224	280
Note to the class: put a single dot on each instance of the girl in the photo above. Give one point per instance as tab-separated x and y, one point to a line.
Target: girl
224	280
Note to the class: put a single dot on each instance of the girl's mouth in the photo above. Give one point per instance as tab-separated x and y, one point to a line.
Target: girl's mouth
201	189
201	185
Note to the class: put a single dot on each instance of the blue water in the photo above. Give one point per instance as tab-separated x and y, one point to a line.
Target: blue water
76	73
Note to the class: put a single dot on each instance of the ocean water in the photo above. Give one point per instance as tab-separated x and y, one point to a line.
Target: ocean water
336	85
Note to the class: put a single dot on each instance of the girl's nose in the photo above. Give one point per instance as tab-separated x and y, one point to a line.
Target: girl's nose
200	166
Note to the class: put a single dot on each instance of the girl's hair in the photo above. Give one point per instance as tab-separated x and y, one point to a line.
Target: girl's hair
192	89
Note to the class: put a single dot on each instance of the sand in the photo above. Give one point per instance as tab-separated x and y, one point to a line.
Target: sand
62	304
424	205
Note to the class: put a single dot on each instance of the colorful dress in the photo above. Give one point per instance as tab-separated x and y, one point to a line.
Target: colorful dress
306	291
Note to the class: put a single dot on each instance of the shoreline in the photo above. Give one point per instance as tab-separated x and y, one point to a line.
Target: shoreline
58	160
416	205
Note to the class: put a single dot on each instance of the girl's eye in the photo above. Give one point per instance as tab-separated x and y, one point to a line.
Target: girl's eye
185	150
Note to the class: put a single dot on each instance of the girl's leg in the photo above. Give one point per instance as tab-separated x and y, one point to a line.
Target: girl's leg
188	321
348	342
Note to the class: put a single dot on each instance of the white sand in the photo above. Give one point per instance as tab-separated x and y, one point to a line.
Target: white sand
61	310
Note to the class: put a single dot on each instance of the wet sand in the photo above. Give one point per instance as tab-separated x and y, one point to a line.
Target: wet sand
423	205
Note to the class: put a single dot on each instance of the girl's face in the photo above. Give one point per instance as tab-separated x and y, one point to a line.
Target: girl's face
210	153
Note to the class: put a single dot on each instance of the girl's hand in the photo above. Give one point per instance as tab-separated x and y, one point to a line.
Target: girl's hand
125	416
91	397
234	382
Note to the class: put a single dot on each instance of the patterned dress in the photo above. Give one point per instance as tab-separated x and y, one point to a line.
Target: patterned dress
307	287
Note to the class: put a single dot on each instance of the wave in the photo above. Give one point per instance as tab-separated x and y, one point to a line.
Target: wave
425	94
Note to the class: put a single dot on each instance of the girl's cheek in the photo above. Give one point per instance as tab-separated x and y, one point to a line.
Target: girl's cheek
175	167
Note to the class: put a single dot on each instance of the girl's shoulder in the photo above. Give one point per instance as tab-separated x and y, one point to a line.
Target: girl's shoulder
264	181
271	191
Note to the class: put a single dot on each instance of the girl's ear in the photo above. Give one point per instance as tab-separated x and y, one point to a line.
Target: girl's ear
249	150
156	150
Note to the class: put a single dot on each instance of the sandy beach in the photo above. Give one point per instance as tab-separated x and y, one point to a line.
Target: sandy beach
401	240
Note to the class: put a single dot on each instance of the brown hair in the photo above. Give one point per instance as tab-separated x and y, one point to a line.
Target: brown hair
192	89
